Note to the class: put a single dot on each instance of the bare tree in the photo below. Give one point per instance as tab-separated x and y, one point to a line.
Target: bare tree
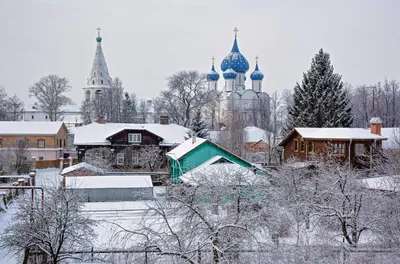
87	112
50	92
49	227
100	157
143	111
223	210
15	108
19	155
232	137
185	95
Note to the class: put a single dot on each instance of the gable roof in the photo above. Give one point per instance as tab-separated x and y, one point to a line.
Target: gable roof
185	148
227	173
251	134
97	134
29	128
82	165
333	133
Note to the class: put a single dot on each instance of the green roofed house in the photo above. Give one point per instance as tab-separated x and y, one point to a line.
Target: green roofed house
195	152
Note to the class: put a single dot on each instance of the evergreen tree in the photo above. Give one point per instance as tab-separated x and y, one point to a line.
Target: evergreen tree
321	100
128	109
199	126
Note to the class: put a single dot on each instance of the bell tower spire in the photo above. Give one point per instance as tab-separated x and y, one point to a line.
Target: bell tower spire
99	79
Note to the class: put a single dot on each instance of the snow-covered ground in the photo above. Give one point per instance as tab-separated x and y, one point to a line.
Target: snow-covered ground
45	178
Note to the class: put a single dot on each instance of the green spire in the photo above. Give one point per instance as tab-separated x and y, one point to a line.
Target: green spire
98	39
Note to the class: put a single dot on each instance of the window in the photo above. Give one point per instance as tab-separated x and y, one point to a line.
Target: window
360	149
337	148
33	117
95	74
296	145
46	117
1	143
64	143
101	81
41	158
120	158
135	158
41	143
302	146
92	82
310	146
134	138
101	74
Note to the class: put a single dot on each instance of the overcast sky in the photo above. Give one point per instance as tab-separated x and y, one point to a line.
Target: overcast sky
146	41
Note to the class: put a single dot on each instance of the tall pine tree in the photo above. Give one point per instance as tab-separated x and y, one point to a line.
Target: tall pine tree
321	100
199	127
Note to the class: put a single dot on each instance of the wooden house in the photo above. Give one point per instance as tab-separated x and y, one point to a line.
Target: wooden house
197	151
354	145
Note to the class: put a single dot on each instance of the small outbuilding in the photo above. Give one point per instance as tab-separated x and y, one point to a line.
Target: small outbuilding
105	188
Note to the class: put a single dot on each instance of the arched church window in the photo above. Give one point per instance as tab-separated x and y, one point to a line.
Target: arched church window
95	74
98	94
87	96
101	81
93	82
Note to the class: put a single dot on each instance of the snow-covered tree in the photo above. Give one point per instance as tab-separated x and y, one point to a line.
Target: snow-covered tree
199	127
129	111
50	227
3	104
15	108
185	96
50	92
320	101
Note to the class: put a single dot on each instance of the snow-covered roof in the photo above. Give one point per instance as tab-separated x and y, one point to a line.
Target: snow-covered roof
255	134
385	183
34	107
97	134
393	135
334	133
82	165
104	182
74	119
219	173
251	134
29	128
185	148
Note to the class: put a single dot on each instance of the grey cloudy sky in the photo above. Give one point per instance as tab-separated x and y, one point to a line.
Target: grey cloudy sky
146	41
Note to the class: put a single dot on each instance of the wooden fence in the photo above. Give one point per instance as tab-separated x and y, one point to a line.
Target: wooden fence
44	164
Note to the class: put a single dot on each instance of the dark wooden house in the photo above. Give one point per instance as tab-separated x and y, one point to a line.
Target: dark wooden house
358	146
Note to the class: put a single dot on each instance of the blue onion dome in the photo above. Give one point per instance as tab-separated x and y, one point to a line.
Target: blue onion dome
256	75
235	60
230	74
212	75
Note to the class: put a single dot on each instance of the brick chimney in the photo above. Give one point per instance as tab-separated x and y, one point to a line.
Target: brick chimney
101	120
376	126
164	120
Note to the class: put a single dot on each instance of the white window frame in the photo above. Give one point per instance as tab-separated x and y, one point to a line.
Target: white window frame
134	138
41	141
135	159
120	158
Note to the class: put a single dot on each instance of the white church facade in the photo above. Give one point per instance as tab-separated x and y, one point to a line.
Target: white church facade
252	103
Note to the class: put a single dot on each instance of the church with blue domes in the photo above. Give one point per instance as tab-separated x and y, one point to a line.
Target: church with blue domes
252	102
